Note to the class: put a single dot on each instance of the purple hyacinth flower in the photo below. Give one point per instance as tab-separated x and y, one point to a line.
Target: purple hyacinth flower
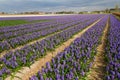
118	75
0	73
108	78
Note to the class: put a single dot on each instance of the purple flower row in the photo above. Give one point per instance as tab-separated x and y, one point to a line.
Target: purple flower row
21	27
74	62
113	50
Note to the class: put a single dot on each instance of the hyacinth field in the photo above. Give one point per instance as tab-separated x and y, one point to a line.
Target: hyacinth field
25	41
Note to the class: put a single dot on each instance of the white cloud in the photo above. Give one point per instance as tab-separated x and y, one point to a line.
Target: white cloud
104	2
56	5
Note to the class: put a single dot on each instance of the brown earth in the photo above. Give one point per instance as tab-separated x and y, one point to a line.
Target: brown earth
116	13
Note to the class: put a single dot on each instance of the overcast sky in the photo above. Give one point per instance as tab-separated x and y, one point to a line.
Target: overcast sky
56	5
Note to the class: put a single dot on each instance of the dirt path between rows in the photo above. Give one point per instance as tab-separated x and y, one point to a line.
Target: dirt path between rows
98	69
34	68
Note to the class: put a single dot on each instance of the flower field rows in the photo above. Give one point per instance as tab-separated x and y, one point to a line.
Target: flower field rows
13	39
113	50
75	61
13	61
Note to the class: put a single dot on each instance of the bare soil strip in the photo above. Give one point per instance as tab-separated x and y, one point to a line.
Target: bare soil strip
32	42
34	68
98	69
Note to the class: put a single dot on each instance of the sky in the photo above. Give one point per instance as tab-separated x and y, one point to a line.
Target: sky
56	5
